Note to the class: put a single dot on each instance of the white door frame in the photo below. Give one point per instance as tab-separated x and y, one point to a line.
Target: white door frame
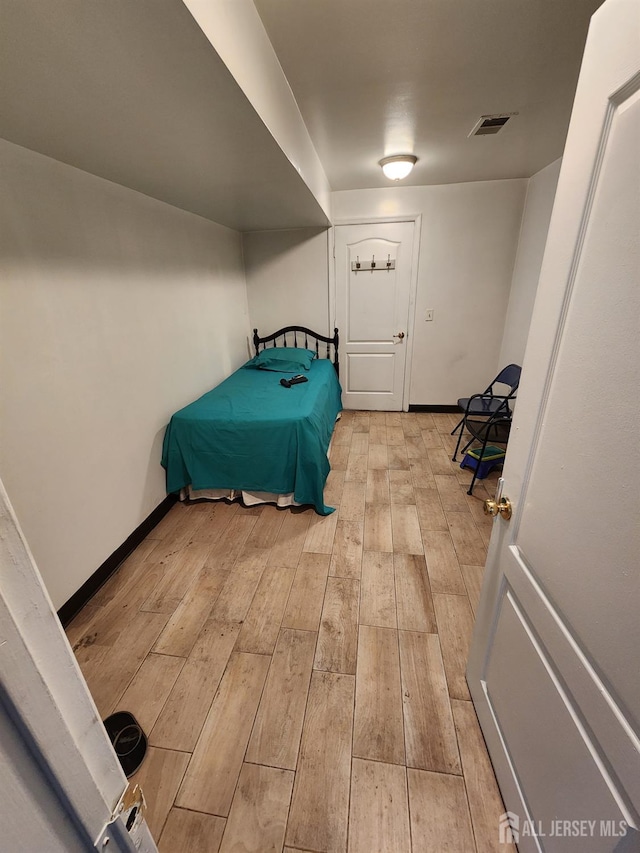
416	219
44	696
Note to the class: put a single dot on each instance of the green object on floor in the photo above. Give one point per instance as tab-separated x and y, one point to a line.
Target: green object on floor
491	453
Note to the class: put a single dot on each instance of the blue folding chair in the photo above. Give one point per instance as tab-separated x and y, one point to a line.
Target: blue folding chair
489	404
488	432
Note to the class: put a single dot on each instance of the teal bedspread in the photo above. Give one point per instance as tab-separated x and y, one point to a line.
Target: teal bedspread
251	433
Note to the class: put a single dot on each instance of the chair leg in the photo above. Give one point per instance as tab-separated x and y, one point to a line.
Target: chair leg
457	426
455	452
468	444
475	470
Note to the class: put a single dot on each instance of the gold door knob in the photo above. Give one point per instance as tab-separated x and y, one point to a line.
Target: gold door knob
494	508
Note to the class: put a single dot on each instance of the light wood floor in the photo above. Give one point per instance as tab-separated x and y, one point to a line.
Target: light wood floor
301	679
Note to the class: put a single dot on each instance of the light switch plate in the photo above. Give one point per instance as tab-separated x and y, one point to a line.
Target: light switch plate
428	315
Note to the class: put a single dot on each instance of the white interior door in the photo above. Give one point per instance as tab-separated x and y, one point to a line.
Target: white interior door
61	783
372	312
554	669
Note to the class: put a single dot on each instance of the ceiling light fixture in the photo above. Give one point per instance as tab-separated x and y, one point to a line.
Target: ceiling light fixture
399	166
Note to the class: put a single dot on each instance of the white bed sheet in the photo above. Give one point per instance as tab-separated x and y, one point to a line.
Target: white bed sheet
249	498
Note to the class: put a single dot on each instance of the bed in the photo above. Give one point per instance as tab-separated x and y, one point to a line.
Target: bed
252	437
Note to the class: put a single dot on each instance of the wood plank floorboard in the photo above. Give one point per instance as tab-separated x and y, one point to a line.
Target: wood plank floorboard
378	731
185	830
320	804
333	488
377	491
352	503
160	777
421	474
265	531
377	590
338	635
346	556
398	458
485	802
276	733
439	814
377	528
150	687
237	593
306	598
473	581
379	814
182	629
79	627
430	513
211	778
429	732
413	594
378	456
301	678
407	538
129	570
262	622
455	625
442	563
121	661
259	811
183	567
114	617
322	530
452	497
229	545
183	715
290	540
401	487
470	548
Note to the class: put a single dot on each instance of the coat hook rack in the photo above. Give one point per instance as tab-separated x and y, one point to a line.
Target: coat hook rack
373	265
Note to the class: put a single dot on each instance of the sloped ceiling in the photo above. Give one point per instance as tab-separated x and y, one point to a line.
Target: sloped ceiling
374	78
132	91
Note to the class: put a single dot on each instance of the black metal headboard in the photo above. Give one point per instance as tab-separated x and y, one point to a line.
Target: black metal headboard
299	336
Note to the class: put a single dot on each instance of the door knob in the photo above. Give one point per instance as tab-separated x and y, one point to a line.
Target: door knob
399	335
502	507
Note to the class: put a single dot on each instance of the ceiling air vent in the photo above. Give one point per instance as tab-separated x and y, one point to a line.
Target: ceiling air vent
488	125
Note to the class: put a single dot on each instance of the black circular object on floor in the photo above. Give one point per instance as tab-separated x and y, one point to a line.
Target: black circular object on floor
128	739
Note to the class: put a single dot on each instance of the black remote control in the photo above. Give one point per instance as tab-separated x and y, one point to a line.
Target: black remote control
295	380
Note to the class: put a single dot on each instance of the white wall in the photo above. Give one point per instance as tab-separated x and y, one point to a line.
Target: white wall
468	245
541	191
237	33
115	310
287	279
